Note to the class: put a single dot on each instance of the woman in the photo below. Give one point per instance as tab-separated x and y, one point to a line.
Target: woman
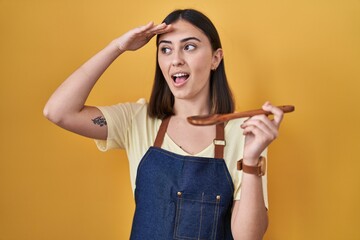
186	182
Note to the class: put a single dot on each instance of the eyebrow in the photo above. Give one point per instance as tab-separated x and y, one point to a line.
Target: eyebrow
182	40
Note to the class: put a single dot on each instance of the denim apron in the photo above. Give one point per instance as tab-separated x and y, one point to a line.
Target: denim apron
182	197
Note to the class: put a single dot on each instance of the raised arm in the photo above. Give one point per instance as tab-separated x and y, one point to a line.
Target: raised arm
66	107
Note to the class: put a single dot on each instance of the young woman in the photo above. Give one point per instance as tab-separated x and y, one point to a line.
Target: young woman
185	177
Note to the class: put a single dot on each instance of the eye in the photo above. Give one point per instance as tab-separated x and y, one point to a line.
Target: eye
165	50
189	47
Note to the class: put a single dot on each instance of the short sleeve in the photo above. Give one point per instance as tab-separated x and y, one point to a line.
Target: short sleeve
118	118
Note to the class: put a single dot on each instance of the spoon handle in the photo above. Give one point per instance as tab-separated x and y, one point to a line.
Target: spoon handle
219	118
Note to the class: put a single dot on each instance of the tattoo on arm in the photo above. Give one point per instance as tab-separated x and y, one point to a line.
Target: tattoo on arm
101	121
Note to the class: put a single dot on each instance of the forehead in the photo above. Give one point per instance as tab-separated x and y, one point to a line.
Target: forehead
183	29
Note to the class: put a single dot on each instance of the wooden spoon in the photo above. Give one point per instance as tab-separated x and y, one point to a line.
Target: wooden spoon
204	120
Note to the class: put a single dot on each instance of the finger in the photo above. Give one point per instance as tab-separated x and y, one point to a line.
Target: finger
277	112
258	123
143	30
265	120
160	29
167	28
160	26
268	122
260	134
264	124
254	130
146	32
150	30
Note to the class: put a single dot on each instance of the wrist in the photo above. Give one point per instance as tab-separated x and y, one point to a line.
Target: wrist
250	161
258	169
115	47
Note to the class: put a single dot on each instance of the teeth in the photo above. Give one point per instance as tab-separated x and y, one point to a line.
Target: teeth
180	75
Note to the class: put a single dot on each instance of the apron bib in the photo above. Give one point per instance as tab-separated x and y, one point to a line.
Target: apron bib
182	197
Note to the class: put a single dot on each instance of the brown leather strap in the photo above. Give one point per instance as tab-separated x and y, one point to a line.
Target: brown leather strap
219	141
248	169
161	133
259	169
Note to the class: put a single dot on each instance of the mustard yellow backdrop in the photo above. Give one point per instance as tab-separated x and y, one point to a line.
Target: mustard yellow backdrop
55	185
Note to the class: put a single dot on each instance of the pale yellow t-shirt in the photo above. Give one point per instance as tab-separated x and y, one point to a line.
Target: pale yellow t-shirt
130	128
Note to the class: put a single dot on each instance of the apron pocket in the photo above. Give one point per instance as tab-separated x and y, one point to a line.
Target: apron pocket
196	216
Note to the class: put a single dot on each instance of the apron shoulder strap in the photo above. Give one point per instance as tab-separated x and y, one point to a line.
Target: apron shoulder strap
161	133
219	141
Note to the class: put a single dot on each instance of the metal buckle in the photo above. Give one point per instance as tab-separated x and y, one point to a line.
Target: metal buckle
219	142
262	166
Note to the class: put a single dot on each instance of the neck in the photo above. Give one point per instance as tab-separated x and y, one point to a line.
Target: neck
185	108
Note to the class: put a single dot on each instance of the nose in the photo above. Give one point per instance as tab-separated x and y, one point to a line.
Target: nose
178	59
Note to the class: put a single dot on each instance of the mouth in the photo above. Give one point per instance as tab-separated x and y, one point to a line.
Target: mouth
180	78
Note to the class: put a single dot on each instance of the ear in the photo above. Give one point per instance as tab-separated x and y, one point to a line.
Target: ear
217	57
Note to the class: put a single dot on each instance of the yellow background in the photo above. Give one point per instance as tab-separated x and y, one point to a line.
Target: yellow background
55	185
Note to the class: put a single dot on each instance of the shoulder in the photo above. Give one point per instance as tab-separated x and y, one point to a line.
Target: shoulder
141	121
140	105
128	109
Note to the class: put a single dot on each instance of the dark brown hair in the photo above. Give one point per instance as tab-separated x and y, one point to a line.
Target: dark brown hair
221	99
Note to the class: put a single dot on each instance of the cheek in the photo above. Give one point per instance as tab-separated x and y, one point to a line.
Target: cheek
201	66
160	62
204	59
162	66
